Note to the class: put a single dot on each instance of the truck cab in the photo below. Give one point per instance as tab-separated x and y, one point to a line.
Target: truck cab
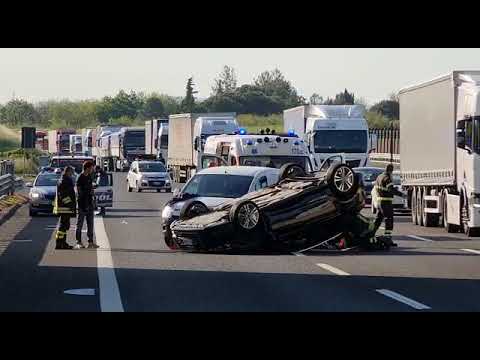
331	130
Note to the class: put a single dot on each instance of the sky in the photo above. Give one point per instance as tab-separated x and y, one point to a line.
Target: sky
372	74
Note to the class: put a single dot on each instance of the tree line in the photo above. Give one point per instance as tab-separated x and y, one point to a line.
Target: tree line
269	93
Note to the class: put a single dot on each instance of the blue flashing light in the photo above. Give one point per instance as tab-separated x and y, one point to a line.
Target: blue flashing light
291	132
243	131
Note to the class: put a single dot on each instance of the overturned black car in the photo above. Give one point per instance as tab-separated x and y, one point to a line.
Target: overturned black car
300	212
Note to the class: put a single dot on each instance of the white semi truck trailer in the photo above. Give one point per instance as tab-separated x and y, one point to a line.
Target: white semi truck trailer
440	151
187	134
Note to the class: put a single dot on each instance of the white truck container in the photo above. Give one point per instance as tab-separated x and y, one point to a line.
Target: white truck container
152	128
187	136
330	130
59	141
440	151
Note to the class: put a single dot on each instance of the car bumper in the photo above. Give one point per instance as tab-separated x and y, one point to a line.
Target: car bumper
154	186
41	208
210	238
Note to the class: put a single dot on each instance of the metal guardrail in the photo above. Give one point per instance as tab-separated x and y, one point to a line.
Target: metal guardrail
7	184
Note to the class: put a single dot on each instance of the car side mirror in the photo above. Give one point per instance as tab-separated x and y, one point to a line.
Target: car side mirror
29	184
176	193
461	141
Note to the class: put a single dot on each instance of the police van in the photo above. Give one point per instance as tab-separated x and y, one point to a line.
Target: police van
266	149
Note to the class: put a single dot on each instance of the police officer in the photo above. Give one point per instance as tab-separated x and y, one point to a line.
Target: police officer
386	191
65	205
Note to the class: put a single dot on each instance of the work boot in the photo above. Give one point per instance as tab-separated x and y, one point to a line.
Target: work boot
62	245
91	245
387	239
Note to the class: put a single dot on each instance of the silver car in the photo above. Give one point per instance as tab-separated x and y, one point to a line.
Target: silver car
148	175
43	191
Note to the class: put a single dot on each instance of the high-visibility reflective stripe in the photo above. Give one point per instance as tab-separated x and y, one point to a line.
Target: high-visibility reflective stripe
67	200
385	199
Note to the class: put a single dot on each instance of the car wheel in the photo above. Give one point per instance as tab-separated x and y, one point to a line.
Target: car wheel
168	238
246	216
290	171
193	208
342	181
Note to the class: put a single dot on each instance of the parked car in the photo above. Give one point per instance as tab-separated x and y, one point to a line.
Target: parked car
214	186
300	211
399	202
148	175
43	190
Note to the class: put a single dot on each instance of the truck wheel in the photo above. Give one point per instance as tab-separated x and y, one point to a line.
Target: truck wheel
470	232
414	207
420	207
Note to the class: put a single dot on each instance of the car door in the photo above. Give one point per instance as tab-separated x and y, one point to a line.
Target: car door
104	190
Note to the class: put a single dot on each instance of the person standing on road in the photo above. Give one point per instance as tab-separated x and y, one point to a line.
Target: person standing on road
386	191
85	205
65	205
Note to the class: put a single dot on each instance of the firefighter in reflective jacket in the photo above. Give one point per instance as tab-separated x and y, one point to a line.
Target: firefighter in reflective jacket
386	191
65	205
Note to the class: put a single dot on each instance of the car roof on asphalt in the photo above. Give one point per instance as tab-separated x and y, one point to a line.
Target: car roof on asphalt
237	170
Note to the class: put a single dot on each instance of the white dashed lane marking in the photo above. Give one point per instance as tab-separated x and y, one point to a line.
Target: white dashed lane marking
333	269
403	299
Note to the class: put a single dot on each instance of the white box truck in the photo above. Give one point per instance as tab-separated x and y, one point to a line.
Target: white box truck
187	134
331	130
440	151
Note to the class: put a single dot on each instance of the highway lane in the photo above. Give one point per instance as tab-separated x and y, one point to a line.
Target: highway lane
178	281
428	272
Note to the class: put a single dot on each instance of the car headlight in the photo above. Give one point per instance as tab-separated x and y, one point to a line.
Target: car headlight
36	195
167	212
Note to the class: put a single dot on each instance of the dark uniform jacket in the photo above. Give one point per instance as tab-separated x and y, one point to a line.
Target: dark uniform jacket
385	188
85	193
65	200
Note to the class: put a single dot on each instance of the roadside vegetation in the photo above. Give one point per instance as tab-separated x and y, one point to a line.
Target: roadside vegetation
259	103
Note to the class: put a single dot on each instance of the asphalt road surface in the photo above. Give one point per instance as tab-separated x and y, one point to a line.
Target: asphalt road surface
134	271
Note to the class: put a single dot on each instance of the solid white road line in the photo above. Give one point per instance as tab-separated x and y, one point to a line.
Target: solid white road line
333	269
419	238
298	254
110	300
472	251
396	296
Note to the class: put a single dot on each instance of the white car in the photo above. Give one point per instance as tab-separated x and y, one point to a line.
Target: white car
148	175
217	185
399	202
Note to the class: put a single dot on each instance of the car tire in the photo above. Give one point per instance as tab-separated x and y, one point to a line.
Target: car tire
246	216
168	238
193	208
290	171
342	181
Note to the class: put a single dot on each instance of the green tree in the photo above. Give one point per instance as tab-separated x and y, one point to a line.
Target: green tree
226	81
343	98
316	99
274	84
153	107
387	108
188	103
19	112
